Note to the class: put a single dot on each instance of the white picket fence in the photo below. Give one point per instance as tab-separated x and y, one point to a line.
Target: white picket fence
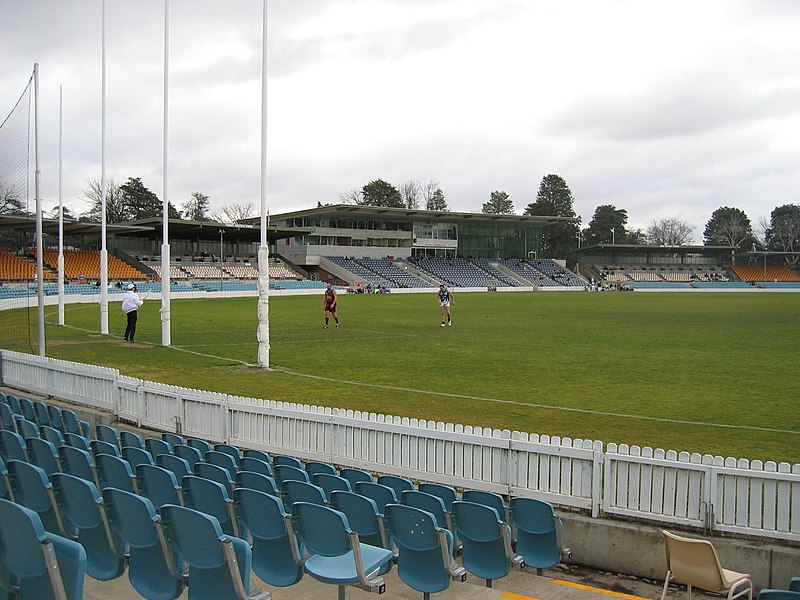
704	491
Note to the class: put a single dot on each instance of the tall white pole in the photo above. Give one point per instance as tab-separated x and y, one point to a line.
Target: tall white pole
263	250
166	328
60	210
103	249
39	231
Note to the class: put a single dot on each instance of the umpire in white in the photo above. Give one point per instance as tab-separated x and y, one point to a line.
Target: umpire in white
130	306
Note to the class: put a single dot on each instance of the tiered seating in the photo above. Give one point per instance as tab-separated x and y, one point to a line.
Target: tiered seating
455	272
241	271
290	284
388	270
86	263
175	272
357	269
486	265
557	273
16	268
525	270
173	498
279	270
202	271
759	273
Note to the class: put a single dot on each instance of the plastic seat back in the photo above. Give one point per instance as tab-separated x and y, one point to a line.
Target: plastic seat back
12	446
26	406
52	435
259	454
486	541
211	498
275	551
5	483
28	428
101	447
78	462
538	532
81	507
41	413
71	422
287	473
173	439
43	454
398	484
156	446
248	463
115	472
224	460
215	473
313	467
425	550
7	417
230	450
495	501
77	440
44	565
355	475
107	433
159	485
330	483
283	459
381	494
362	515
200	445
189	454
137	456
427	502
300	491
257	481
152	571
212	556
131	439
179	466
32	489
56	420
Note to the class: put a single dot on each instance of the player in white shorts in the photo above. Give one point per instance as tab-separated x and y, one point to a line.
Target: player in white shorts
445	298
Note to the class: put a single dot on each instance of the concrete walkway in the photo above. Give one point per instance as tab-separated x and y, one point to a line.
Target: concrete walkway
557	584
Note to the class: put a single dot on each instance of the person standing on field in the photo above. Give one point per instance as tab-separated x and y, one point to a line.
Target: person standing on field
445	298
130	306
329	304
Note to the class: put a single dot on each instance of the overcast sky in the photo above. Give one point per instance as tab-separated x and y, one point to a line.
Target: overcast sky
668	109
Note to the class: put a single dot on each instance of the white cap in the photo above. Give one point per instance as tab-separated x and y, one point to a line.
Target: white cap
131	286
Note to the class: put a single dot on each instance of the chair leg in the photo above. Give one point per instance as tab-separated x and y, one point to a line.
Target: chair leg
689	589
488	583
342	592
666	585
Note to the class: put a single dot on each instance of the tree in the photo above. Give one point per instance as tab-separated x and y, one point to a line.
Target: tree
381	193
410	193
115	202
729	227
499	204
10	204
196	209
351	197
607	226
140	202
554	198
670	232
233	213
783	233
437	201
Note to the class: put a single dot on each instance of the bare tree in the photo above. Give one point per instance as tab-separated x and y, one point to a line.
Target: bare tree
232	213
351	197
410	192
670	232
10	204
116	209
427	191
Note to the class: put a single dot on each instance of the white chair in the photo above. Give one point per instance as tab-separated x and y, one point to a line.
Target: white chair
695	563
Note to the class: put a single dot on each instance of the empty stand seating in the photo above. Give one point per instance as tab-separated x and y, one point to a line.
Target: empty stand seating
760	273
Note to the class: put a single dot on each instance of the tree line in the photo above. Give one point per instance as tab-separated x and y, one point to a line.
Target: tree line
727	226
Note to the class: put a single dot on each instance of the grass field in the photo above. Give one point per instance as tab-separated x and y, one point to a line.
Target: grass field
709	373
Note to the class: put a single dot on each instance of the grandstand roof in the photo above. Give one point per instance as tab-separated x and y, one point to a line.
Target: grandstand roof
650	249
209	230
357	210
71	227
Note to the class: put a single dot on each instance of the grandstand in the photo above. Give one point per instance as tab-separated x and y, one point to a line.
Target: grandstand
762	273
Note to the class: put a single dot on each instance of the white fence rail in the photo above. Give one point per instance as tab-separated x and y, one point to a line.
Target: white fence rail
723	495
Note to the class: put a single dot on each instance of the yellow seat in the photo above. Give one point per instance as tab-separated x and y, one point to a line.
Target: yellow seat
695	563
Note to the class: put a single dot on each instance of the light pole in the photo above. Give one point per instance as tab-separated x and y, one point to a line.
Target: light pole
221	272
613	233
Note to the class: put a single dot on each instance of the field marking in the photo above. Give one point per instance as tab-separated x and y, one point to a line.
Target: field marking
288	371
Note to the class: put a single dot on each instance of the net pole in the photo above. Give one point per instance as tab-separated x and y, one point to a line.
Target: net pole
166	326
39	229
103	249
60	210
263	250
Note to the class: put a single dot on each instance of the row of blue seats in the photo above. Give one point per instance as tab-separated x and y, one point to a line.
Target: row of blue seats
226	482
